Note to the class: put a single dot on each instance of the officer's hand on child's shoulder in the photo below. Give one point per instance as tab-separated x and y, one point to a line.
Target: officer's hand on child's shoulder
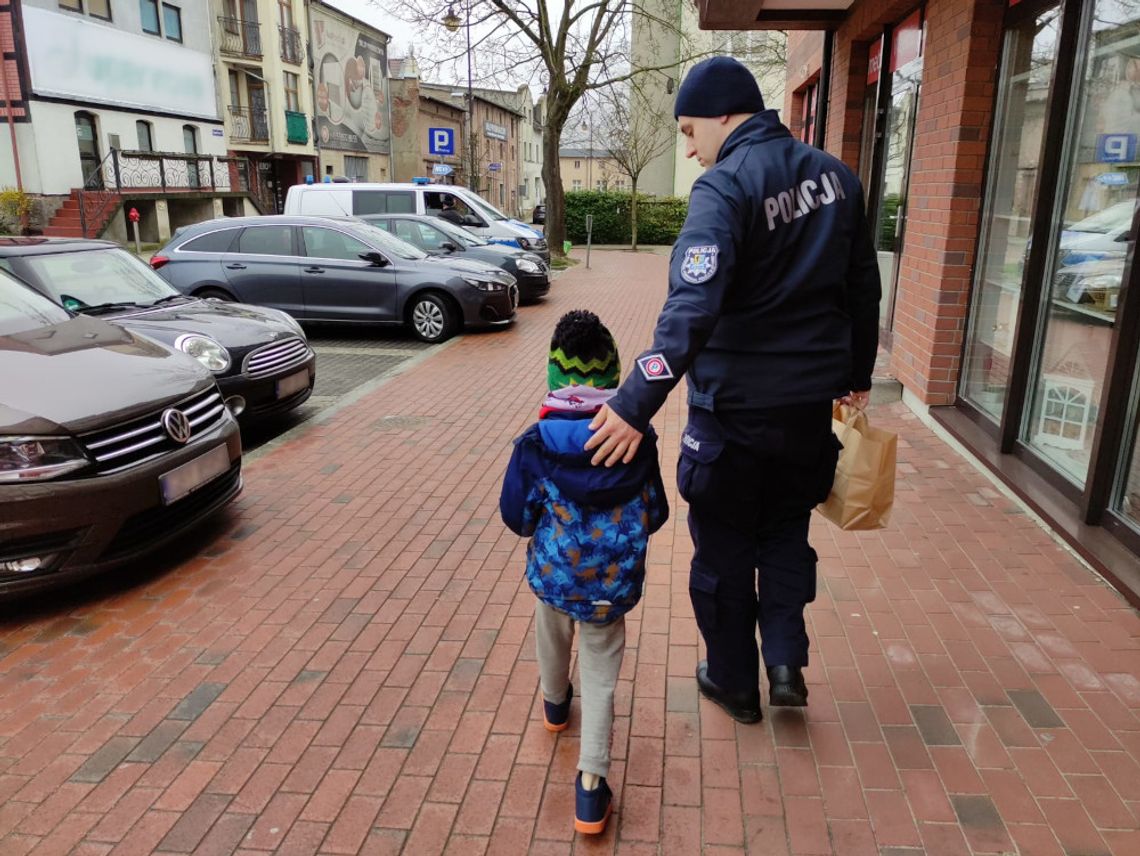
614	438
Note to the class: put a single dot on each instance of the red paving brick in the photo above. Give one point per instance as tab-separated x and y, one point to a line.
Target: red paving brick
348	666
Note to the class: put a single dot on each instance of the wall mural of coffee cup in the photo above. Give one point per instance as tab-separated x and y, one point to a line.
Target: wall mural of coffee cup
352	86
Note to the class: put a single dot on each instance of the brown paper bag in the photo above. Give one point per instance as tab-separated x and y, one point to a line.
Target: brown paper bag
864	488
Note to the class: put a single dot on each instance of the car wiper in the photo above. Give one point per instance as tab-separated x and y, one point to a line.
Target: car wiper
169	298
100	308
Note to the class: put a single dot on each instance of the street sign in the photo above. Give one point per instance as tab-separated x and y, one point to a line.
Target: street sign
495	167
442	169
441	141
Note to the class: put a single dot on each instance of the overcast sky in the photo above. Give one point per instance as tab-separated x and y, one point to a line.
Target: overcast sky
402	34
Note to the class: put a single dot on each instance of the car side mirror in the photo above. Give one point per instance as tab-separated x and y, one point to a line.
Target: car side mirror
472	220
375	258
449	247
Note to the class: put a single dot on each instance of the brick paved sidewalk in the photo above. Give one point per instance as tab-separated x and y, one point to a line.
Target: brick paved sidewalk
349	667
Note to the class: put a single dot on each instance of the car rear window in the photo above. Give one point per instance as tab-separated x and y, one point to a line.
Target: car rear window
213	242
267	241
383	202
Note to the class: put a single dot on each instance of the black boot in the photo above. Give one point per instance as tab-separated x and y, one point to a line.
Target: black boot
743	707
787	687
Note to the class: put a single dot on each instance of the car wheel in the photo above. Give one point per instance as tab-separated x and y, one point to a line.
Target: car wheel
216	294
432	319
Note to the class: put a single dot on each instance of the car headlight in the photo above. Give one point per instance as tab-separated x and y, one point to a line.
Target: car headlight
38	458
205	350
484	284
527	266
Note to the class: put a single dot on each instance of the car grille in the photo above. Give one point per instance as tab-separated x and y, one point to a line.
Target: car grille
276	358
131	443
156	524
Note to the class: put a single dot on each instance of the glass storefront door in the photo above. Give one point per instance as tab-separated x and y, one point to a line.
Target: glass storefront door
1092	238
1029	55
890	216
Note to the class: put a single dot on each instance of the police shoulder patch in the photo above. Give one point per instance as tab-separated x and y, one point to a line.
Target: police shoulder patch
654	367
699	263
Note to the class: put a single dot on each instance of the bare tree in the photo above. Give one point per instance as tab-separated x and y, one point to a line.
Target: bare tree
569	47
636	133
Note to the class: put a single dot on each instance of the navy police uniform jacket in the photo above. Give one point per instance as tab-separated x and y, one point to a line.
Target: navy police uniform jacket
773	284
589	526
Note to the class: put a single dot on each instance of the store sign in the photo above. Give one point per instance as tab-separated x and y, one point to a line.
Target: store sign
1116	148
90	62
906	43
495	132
350	63
875	61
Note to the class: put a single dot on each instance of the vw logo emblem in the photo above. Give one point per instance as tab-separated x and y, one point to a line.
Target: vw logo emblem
177	425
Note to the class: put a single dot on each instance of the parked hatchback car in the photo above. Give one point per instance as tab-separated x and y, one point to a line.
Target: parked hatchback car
260	357
111	444
538	216
338	270
439	238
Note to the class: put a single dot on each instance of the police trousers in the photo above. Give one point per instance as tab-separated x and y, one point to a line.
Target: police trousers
752	478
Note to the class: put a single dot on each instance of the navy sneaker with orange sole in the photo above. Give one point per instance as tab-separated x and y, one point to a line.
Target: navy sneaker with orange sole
557	716
592	808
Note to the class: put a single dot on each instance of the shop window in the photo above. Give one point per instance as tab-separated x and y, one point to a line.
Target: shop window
1092	232
1025	82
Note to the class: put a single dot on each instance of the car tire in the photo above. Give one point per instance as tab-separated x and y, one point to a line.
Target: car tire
432	318
216	294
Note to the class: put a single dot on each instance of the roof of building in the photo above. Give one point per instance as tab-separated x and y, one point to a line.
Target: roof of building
569	152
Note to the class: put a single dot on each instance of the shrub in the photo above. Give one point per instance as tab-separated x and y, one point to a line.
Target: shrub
659	219
16	206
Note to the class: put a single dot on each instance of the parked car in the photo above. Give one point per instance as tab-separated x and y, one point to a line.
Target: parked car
260	357
361	199
538	216
338	270
437	237
111	444
1103	235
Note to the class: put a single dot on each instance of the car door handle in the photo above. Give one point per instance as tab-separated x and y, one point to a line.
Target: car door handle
314	270
235	267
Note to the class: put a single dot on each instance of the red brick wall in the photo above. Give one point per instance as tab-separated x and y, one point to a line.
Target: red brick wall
963	41
805	58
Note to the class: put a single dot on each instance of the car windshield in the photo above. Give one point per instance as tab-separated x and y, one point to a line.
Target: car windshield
458	233
486	207
22	309
90	278
388	243
1112	218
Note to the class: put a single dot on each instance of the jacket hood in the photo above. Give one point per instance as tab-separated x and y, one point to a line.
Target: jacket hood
760	128
561	439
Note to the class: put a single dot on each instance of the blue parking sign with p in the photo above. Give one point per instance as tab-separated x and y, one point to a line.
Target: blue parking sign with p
441	141
1116	148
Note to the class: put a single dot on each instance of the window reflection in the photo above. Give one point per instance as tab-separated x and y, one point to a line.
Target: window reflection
1093	238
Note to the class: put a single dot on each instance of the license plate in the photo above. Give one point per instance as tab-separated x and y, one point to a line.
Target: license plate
193	474
294	383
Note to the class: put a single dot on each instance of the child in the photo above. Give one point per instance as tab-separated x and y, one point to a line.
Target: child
590	527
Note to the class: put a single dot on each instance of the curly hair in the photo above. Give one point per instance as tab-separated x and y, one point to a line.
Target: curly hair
582	333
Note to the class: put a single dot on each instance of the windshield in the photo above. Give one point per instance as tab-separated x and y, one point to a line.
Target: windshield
488	210
389	243
458	233
1118	216
95	277
22	309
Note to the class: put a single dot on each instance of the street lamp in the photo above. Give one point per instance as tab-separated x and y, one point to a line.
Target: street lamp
452	22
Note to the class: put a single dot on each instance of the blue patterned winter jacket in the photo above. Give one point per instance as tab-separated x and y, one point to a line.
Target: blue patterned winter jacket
590	526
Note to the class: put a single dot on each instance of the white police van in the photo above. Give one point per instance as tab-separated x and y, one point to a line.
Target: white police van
341	199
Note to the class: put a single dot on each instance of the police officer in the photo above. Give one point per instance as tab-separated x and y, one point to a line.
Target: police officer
448	211
772	312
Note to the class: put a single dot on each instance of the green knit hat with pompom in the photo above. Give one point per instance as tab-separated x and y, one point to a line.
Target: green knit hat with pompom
583	353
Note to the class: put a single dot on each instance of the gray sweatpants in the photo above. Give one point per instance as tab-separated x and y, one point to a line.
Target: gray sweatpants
600	652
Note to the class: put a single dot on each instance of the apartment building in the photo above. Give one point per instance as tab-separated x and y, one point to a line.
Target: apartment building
590	169
114	101
266	91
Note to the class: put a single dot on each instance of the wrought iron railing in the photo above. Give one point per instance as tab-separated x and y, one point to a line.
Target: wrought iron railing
164	172
239	38
291	49
248	125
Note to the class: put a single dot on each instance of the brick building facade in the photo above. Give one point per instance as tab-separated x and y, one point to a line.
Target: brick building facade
997	142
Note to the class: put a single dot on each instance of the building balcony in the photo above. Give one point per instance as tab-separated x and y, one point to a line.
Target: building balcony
239	38
291	48
248	125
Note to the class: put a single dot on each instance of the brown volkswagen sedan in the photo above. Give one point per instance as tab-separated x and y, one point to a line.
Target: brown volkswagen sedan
110	444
